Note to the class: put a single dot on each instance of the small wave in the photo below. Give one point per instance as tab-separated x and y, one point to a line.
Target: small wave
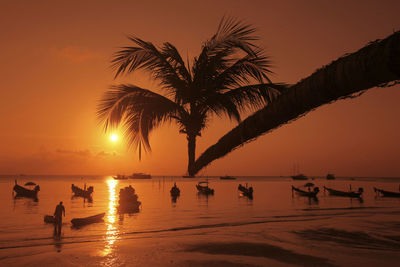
47	241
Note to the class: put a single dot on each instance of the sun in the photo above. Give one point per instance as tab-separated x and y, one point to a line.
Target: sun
114	138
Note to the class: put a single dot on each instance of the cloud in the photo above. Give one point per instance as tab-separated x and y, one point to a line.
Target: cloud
106	154
82	153
78	54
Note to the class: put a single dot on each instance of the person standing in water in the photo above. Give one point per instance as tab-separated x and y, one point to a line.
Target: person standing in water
60	210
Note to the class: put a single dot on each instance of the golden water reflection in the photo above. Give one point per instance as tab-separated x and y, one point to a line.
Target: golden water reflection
112	231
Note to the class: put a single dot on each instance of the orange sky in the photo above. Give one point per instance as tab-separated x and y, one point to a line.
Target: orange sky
55	67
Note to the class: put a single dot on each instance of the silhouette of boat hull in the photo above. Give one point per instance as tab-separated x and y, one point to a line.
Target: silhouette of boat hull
227	177
330	176
304	193
79	192
339	193
49	219
247	191
385	193
120	177
78	222
204	189
24	192
299	177
140	175
175	191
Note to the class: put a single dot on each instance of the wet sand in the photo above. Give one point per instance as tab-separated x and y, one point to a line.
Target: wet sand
263	244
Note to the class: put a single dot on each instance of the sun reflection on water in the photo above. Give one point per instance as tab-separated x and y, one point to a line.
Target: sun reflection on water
112	231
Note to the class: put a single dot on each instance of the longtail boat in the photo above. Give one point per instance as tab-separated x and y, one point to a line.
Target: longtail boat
175	191
247	191
330	176
385	193
227	177
204	189
49	219
128	200
24	192
334	192
120	177
299	177
304	193
78	222
79	192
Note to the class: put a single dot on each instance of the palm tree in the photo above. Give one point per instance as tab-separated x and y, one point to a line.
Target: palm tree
377	64
220	81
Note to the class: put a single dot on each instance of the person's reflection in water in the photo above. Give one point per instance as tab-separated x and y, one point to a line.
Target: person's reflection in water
60	210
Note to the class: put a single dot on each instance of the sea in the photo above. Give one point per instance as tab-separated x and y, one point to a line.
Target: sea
341	230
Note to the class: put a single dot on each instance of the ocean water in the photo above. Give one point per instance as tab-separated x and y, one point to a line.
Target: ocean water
370	223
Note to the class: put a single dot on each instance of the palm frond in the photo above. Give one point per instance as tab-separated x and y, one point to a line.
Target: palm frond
251	97
241	72
165	66
138	110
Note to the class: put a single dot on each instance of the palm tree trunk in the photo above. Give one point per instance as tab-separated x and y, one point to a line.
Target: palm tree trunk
376	64
191	153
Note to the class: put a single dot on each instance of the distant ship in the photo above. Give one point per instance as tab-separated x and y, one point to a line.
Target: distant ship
140	175
227	177
330	176
299	177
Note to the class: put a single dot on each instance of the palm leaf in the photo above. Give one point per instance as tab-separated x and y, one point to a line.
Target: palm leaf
138	110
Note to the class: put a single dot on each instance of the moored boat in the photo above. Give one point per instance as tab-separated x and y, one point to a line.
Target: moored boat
385	193
24	192
175	191
354	194
299	177
203	188
79	192
247	191
140	175
227	177
120	177
309	193
128	200
49	219
78	222
330	176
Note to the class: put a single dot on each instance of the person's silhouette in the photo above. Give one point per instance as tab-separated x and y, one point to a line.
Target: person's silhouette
60	210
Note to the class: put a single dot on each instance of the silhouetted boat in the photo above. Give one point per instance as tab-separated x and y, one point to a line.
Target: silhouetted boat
30	183
204	189
247	191
385	193
120	177
49	219
227	177
350	193
24	192
330	176
77	222
188	176
175	191
309	193
79	192
299	177
128	200
140	175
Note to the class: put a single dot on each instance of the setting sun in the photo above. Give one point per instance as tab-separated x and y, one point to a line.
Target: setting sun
114	138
